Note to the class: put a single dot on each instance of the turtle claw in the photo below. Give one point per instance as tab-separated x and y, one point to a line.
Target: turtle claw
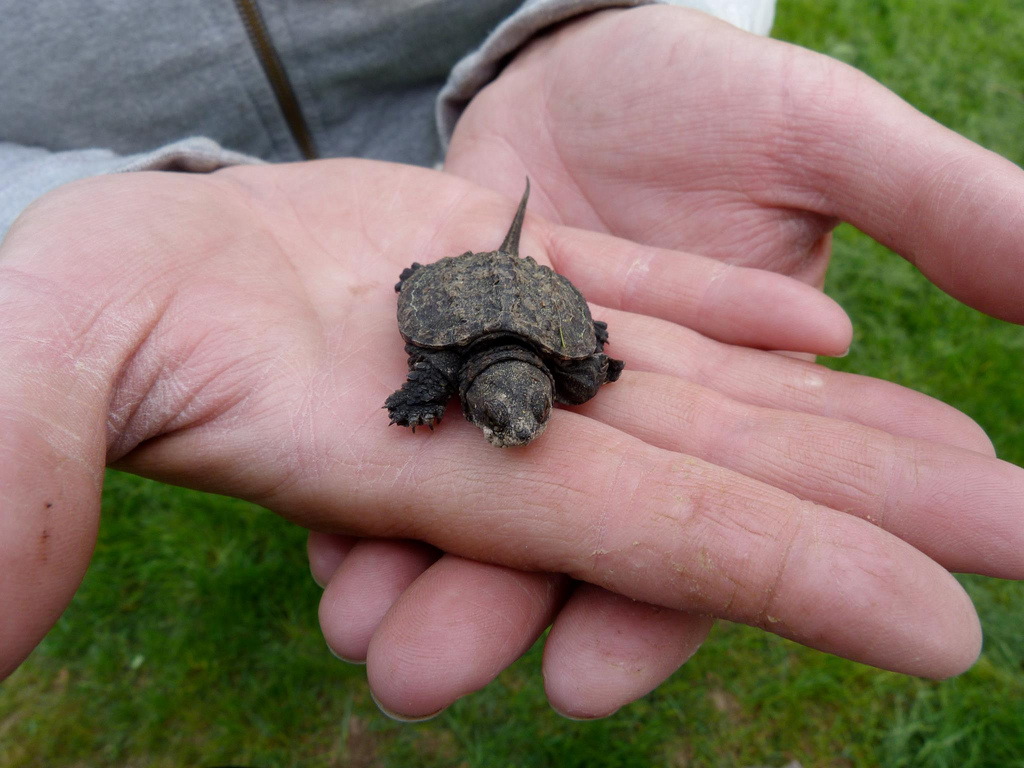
415	414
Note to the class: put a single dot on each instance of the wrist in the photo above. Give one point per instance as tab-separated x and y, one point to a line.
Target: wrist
534	18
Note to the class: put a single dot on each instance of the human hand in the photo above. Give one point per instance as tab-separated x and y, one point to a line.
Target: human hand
247	340
432	670
667	127
625	649
236	333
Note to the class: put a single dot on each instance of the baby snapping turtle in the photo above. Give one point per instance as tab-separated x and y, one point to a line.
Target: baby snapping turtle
505	333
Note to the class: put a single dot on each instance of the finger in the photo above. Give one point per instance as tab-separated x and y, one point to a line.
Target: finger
655	525
52	422
949	206
736	305
762	378
453	630
605	651
959	507
326	551
602	631
363	589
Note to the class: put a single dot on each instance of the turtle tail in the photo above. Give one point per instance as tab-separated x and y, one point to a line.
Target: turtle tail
511	243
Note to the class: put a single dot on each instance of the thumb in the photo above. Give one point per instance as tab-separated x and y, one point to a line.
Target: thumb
73	313
946	204
52	422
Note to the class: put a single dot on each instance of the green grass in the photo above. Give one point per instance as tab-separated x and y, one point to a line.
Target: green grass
193	640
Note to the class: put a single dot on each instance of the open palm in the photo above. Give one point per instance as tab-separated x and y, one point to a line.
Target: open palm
236	333
670	128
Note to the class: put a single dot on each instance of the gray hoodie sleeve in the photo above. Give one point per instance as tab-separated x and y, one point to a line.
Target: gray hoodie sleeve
27	173
481	66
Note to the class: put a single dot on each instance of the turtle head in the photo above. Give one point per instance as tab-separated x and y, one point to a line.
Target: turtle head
510	401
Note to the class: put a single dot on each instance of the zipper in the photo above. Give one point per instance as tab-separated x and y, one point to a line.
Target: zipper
259	36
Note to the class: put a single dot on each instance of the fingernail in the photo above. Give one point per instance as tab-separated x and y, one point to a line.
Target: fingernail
844	353
313	574
582	719
339	657
402	718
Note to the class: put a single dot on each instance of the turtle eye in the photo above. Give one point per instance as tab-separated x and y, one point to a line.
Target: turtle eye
497	413
540	407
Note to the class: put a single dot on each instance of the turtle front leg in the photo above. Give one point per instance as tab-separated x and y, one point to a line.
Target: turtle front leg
406	274
614	366
427	390
576	381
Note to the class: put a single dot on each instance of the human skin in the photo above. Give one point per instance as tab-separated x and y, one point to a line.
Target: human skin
235	333
667	127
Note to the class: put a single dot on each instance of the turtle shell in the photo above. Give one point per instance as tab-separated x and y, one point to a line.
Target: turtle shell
457	300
